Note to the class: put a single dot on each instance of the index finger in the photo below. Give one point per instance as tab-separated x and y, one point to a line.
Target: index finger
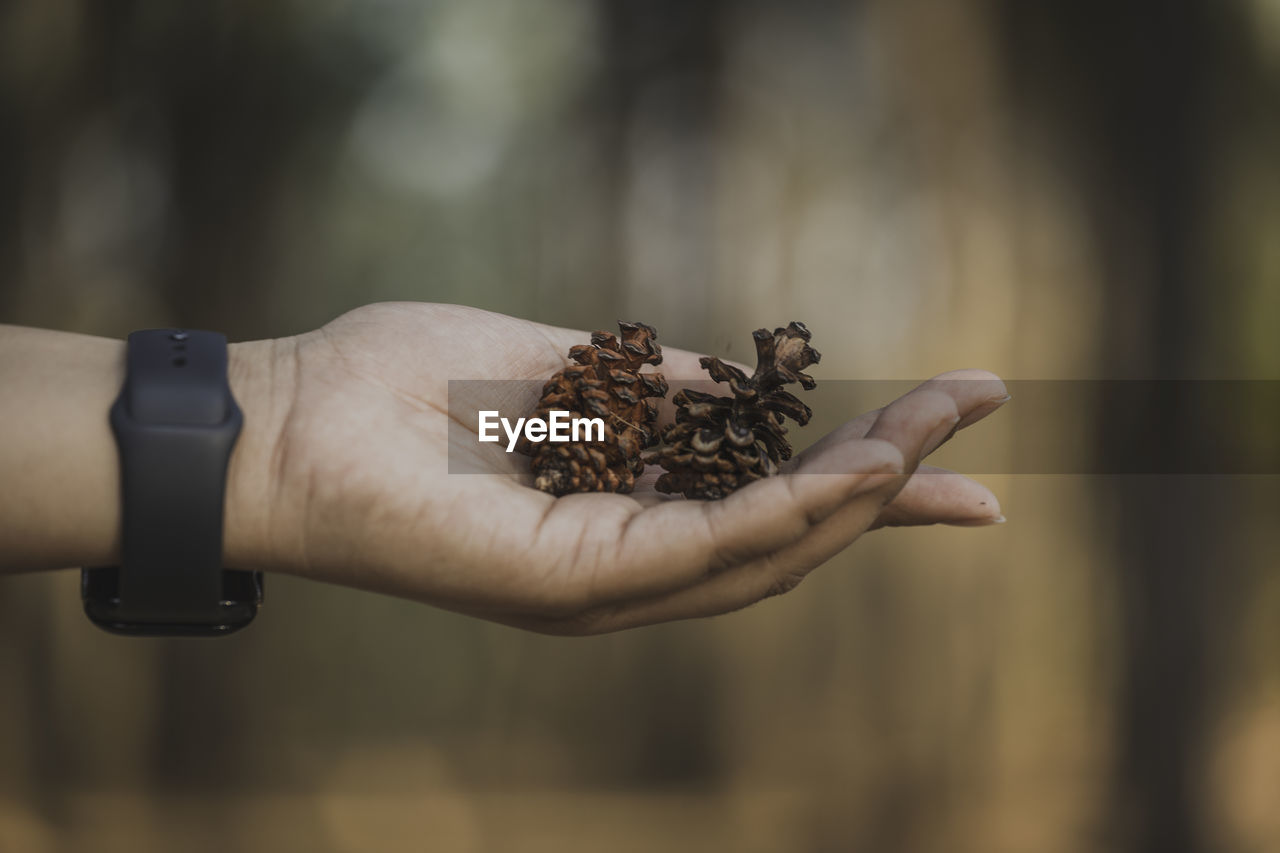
946	399
966	385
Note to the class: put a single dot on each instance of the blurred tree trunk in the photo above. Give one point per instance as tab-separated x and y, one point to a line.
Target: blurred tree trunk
1134	82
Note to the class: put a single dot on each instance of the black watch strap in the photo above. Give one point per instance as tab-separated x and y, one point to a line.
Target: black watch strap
175	424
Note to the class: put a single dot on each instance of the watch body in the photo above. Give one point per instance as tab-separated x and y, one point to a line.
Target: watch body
175	424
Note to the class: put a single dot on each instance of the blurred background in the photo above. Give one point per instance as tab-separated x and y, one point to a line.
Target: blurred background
1067	189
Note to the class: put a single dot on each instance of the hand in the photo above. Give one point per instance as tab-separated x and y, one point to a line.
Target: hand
345	479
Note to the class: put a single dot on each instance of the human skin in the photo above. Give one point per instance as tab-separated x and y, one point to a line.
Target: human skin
341	474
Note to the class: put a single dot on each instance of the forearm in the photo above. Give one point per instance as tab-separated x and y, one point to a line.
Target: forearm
60	503
59	469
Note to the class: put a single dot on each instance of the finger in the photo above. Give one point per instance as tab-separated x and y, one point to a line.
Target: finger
994	396
848	431
771	574
914	424
942	403
784	570
760	540
679	543
938	496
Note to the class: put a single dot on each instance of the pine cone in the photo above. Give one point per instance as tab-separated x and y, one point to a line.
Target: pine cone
605	383
720	444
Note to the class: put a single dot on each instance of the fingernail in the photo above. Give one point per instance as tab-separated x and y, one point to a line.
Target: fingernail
979	522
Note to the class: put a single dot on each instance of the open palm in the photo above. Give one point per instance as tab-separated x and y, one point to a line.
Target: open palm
380	482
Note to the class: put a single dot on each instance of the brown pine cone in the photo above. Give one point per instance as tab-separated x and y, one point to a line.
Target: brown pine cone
605	383
720	444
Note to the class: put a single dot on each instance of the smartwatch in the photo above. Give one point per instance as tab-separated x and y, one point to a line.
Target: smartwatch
175	423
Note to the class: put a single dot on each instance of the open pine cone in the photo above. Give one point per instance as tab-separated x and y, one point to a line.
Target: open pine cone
605	383
720	444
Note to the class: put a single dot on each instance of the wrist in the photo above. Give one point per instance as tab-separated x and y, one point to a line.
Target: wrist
261	374
60	464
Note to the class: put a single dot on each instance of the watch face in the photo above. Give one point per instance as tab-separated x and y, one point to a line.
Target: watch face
241	596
